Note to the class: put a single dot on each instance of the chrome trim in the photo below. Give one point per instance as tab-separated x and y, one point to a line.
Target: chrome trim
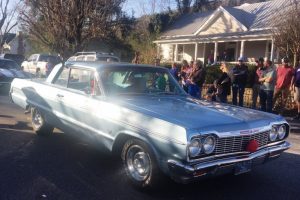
266	151
238	132
234	154
235	134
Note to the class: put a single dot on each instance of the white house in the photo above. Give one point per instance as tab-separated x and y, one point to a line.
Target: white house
239	31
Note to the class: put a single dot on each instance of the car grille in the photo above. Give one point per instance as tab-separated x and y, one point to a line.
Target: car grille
238	143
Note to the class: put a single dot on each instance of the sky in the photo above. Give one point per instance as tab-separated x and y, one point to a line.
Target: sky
141	7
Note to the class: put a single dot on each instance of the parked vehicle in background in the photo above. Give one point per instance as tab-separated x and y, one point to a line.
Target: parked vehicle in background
141	113
9	70
18	58
93	56
36	63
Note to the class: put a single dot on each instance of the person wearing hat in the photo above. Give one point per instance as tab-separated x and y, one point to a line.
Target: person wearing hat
255	80
285	74
239	79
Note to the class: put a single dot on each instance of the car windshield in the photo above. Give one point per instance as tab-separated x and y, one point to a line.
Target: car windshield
138	81
107	59
9	64
45	58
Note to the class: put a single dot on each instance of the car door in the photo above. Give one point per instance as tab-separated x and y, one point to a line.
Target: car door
75	101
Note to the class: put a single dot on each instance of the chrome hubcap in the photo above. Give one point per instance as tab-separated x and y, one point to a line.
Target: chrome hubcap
37	119
138	163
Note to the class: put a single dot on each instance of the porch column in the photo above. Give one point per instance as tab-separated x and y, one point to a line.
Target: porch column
236	51
204	52
196	51
272	51
176	53
158	51
277	55
242	48
183	54
267	50
216	52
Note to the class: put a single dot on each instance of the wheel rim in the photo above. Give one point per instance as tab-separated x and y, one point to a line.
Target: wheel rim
37	119
138	163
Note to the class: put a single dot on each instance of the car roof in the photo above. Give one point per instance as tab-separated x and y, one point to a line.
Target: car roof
100	65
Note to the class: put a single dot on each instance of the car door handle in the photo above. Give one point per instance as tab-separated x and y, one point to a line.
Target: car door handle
60	95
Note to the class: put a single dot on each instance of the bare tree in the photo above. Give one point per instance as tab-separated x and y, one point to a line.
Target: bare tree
286	32
67	26
7	21
183	6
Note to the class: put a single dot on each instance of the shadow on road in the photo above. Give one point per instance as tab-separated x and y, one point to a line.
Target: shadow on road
6	116
20	125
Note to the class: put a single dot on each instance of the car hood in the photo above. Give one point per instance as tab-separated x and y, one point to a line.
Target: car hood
14	73
201	115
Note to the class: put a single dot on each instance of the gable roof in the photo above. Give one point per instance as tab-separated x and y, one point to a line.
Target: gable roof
215	15
253	17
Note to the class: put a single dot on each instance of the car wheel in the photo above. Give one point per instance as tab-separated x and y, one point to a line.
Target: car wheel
140	164
39	124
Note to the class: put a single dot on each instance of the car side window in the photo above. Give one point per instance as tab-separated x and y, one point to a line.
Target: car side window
34	57
83	80
62	79
90	58
80	58
30	58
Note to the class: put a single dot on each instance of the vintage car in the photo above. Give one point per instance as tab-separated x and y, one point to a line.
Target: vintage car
142	114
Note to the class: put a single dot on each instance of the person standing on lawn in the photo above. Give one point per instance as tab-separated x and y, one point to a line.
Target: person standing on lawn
224	83
239	80
285	74
296	88
266	91
196	80
256	84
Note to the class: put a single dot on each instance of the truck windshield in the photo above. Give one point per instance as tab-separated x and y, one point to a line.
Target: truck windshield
139	81
45	58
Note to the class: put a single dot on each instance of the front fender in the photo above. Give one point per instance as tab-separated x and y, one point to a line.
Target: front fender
162	148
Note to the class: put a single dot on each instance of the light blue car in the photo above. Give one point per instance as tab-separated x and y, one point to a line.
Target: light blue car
142	114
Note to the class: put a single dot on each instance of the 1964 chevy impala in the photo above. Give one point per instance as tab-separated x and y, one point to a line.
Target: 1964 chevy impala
141	113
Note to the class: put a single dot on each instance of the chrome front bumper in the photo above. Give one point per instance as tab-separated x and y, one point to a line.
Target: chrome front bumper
188	172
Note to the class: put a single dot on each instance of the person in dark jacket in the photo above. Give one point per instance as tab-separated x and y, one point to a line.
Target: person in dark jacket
174	71
239	80
257	74
196	80
224	82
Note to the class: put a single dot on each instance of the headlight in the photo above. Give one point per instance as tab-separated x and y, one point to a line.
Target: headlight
281	131
195	147
209	144
273	134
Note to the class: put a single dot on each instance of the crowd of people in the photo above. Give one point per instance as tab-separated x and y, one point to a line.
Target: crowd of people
268	83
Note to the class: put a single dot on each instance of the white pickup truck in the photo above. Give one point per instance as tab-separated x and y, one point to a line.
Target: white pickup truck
38	62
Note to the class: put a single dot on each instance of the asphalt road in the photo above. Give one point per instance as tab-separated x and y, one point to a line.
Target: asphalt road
64	167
